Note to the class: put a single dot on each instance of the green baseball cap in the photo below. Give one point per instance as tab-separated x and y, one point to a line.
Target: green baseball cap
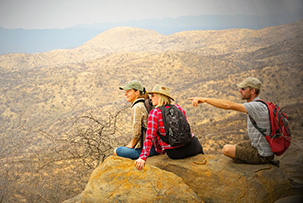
134	84
250	82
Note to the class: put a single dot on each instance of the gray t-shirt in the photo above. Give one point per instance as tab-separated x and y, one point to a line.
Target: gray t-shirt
259	112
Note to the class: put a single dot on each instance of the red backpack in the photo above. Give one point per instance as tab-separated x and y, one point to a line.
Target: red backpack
280	137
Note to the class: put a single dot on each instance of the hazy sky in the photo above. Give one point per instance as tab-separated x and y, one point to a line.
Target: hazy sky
44	14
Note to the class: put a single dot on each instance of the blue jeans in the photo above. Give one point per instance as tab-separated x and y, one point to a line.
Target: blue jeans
133	153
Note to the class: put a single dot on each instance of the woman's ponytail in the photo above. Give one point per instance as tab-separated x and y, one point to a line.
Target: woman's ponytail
143	94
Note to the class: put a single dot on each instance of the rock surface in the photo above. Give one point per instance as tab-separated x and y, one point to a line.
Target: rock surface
117	180
219	179
203	178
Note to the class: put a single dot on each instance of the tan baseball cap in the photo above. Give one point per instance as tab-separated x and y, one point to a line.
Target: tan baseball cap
250	82
161	89
134	84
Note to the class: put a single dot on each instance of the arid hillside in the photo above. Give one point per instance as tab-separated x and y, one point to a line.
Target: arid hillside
46	90
43	94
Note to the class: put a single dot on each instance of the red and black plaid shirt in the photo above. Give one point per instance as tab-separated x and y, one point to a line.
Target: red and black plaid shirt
155	123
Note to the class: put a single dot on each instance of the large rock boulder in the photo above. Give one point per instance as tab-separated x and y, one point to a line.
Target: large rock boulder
202	178
117	180
219	179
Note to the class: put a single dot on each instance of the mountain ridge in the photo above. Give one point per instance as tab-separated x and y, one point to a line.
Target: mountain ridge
51	81
48	98
98	46
42	40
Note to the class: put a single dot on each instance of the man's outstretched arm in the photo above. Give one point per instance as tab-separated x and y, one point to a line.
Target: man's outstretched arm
219	103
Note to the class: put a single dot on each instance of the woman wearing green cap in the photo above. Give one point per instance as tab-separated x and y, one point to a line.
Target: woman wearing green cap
161	97
136	94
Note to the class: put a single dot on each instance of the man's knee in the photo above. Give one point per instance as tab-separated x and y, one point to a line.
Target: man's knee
229	150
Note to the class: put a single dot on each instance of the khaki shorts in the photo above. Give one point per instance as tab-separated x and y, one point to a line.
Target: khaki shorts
245	152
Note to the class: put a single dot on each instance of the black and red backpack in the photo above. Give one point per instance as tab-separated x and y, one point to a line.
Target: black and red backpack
279	138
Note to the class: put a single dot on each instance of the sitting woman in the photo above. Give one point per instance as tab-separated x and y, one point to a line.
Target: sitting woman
136	94
161	96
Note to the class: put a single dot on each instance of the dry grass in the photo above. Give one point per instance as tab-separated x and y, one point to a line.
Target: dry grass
46	92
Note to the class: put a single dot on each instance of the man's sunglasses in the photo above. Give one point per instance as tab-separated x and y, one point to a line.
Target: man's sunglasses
244	88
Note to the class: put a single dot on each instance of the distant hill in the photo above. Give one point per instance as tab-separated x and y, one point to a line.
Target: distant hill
34	41
44	95
46	91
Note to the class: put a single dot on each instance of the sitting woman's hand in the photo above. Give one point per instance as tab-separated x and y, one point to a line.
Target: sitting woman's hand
139	163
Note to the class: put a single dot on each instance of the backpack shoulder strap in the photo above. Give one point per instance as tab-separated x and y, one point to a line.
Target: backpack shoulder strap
162	108
143	129
137	101
148	105
269	104
261	130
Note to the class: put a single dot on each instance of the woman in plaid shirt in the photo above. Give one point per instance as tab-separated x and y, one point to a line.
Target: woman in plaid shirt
136	94
161	96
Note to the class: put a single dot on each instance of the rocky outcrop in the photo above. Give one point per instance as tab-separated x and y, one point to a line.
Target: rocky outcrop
219	179
203	178
117	180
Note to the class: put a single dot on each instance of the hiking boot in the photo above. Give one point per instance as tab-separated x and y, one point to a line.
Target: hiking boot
275	162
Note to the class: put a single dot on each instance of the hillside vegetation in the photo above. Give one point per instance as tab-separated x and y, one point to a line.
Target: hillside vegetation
43	94
45	90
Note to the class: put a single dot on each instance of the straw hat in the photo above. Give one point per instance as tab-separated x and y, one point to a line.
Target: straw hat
161	89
